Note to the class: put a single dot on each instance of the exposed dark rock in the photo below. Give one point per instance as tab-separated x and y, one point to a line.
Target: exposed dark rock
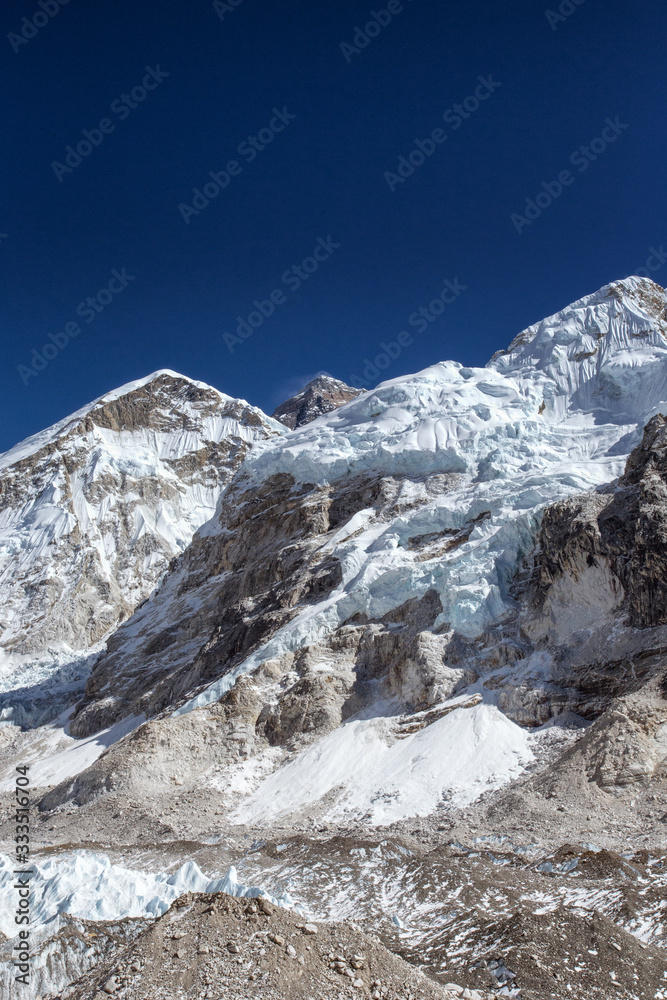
622	530
322	395
266	560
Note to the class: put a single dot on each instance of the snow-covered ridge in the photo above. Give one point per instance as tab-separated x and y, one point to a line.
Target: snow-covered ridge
93	509
35	442
602	360
599	354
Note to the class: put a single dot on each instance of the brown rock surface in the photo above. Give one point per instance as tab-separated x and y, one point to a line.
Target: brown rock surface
322	395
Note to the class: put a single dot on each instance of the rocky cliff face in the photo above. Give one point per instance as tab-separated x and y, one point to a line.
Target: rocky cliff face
268	561
322	395
93	510
593	603
615	539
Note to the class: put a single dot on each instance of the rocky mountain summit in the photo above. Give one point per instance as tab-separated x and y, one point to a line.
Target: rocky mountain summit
409	673
321	395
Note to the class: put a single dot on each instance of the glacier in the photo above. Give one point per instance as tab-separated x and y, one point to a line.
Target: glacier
554	415
88	885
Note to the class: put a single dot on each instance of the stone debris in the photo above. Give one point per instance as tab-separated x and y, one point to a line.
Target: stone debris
215	967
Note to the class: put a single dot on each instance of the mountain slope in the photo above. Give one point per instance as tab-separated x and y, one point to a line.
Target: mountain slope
93	509
357	568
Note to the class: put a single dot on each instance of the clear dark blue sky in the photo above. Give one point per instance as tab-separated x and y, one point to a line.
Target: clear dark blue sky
322	176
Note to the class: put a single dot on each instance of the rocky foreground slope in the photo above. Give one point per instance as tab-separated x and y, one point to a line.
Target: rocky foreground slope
411	674
222	947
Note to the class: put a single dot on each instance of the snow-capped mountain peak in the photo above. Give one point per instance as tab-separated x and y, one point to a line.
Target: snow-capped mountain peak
159	384
93	509
604	353
432	483
321	395
438	609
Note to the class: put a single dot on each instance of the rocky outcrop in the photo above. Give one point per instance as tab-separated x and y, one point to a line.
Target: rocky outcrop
322	395
607	551
590	625
267	558
397	658
223	598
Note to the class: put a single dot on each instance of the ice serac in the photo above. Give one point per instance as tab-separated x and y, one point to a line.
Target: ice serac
356	567
321	395
92	510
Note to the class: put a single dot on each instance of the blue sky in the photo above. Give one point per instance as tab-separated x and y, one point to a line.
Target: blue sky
371	196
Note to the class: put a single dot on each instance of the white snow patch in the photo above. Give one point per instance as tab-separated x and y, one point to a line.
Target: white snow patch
54	756
384	780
